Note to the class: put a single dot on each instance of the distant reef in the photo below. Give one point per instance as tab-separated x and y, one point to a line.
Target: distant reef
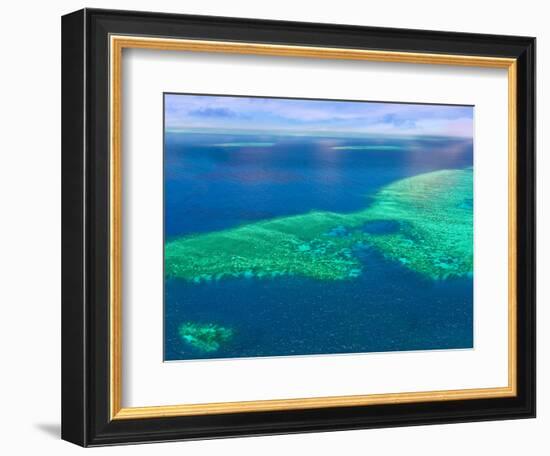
423	222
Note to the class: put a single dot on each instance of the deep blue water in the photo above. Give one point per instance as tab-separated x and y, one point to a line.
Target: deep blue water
209	187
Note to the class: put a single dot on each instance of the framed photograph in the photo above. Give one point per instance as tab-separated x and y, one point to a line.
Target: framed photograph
278	227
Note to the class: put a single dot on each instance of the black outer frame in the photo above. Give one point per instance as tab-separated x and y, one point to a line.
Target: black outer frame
85	227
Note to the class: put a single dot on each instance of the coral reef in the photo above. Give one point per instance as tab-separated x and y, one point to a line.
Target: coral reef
435	214
206	337
425	222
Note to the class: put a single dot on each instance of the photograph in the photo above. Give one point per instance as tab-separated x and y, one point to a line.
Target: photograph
316	227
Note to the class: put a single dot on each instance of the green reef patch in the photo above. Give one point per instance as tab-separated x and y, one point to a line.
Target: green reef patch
423	222
436	217
205	337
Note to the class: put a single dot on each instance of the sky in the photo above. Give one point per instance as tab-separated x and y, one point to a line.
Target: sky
280	115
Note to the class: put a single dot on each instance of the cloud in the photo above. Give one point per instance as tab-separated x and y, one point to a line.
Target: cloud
255	113
213	113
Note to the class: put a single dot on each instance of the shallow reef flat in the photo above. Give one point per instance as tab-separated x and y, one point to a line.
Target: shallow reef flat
424	222
435	214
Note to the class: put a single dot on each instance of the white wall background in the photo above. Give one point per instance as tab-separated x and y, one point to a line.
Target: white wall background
30	226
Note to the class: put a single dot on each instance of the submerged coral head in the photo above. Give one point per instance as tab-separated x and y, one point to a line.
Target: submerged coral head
206	337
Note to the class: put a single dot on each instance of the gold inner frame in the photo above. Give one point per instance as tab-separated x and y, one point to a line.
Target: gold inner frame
117	44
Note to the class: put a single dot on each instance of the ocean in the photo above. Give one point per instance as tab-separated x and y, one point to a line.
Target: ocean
218	186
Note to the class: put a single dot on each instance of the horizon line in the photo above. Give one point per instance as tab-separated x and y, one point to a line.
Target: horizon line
292	132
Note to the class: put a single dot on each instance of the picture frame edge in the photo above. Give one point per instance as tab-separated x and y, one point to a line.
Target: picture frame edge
86	419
